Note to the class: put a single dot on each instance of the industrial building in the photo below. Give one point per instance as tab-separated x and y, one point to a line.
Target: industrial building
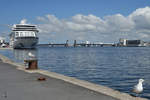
131	43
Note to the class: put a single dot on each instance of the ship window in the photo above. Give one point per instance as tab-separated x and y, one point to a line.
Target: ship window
17	34
21	34
27	33
32	33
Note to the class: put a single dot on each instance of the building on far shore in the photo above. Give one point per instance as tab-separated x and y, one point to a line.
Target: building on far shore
3	43
131	43
2	40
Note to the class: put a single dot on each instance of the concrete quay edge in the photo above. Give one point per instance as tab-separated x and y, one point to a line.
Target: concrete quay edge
91	86
6	48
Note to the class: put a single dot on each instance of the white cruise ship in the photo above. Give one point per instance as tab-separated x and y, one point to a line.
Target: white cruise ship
23	35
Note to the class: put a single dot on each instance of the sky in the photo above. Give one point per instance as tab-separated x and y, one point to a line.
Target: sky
93	20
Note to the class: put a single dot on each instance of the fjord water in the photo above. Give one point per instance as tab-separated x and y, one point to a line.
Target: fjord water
115	67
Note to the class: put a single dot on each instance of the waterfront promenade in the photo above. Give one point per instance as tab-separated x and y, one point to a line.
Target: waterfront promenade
18	84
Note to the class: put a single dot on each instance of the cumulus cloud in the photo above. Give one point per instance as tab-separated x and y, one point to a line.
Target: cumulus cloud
93	28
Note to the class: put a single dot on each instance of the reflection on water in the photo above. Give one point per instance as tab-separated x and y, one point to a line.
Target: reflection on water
25	54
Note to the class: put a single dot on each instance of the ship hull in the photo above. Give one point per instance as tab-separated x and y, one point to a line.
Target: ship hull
25	42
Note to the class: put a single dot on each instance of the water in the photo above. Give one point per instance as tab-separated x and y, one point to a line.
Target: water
115	67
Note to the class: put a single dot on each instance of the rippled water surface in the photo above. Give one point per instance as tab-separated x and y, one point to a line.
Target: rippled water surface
115	67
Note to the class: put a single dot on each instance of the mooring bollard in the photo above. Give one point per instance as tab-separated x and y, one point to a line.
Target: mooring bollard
31	64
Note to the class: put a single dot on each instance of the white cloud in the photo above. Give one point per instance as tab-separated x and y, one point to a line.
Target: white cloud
93	28
141	18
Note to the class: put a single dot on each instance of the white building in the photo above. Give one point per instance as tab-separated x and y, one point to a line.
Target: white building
2	40
87	42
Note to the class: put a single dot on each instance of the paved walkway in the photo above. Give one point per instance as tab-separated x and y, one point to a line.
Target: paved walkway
19	85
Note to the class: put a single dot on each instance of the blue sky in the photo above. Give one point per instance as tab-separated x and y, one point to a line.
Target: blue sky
12	11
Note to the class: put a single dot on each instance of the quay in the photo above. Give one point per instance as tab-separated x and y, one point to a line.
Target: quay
16	83
5	48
